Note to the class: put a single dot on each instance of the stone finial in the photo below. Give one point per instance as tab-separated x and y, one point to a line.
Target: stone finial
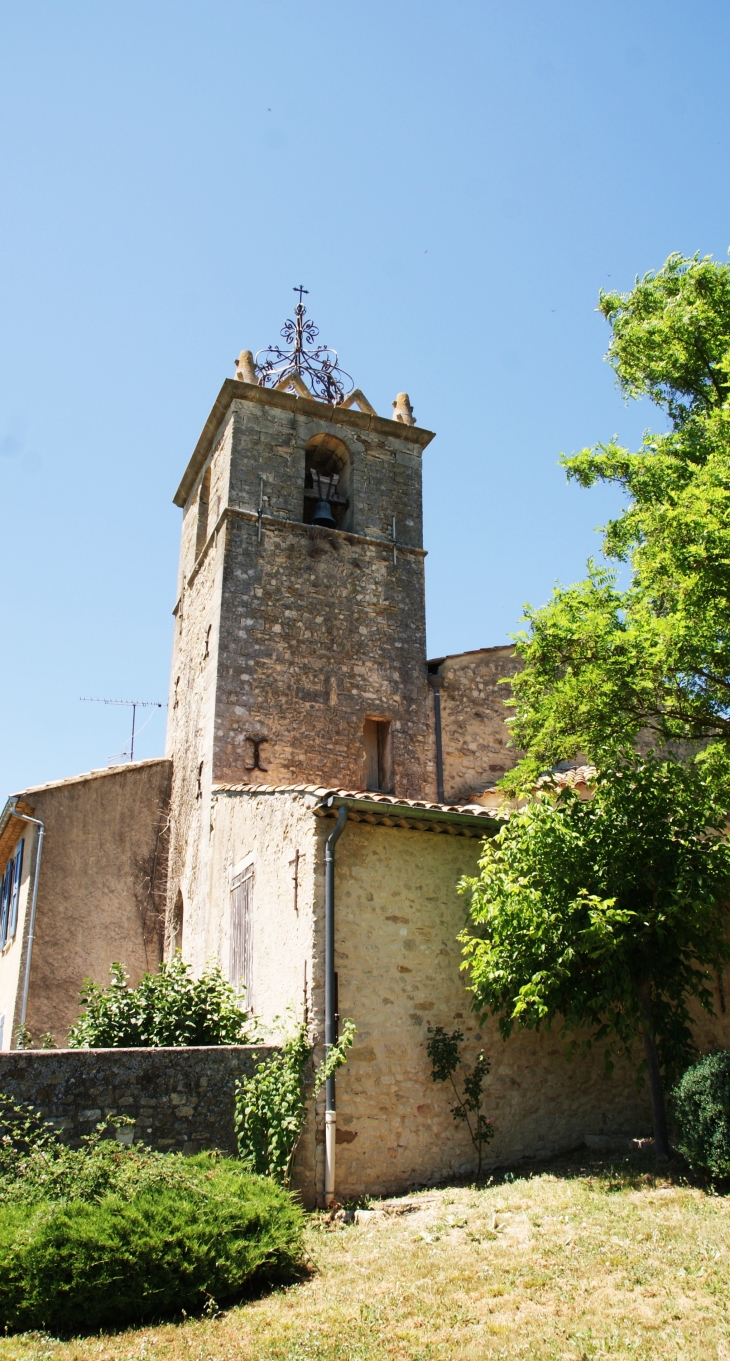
245	368
403	410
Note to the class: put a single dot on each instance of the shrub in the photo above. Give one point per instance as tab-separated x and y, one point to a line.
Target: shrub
83	1264
170	1007
36	1166
701	1105
21	1132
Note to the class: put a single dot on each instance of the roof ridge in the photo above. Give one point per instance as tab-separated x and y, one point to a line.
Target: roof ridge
365	795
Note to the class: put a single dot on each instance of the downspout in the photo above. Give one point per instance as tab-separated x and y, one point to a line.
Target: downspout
330	1018
433	680
34	903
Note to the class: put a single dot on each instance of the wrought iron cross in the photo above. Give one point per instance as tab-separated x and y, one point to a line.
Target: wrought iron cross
300	289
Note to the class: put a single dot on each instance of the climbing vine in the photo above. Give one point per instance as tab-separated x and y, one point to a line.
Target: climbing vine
271	1105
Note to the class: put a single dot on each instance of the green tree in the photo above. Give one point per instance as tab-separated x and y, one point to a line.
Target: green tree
602	665
170	1007
608	914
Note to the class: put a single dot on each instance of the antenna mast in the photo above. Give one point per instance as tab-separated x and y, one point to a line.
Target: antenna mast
133	704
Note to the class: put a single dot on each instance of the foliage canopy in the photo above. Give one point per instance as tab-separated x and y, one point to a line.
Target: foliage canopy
109	1234
608	913
604	664
79	1265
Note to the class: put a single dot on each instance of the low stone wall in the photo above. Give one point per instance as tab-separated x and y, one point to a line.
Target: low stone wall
179	1099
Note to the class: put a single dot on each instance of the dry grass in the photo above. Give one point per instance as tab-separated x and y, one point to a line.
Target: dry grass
577	1262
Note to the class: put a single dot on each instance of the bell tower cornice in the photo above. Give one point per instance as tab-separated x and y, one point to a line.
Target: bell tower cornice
236	390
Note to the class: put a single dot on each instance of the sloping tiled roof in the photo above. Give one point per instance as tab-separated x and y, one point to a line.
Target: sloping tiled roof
102	773
12	828
365	805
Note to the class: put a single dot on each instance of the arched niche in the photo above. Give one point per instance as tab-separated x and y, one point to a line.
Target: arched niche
326	454
176	925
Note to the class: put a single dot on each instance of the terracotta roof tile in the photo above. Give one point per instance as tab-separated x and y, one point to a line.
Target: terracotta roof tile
371	796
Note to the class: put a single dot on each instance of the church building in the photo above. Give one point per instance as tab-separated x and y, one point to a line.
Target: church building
302	704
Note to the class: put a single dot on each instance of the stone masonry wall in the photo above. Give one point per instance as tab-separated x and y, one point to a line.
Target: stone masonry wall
192	697
320	630
267	830
312	643
398	917
181	1100
298	636
475	738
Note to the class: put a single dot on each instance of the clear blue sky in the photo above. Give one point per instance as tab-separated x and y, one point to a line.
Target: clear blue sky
453	183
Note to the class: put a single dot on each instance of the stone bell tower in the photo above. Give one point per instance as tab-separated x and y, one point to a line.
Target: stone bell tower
299	653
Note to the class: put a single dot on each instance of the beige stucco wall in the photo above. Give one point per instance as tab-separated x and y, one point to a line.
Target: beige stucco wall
398	915
100	892
264	831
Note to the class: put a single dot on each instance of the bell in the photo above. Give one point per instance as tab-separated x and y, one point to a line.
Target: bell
323	515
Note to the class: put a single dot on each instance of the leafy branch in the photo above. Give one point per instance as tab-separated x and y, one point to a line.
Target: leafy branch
271	1105
443	1051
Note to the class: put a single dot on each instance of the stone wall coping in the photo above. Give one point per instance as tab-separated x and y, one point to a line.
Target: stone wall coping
234	389
50	1054
471	652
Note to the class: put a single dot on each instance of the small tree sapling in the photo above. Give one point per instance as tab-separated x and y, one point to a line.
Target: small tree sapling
443	1050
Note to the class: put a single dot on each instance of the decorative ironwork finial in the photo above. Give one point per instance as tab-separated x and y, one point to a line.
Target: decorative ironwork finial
316	365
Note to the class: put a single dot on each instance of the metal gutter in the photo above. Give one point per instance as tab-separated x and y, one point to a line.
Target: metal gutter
330	1006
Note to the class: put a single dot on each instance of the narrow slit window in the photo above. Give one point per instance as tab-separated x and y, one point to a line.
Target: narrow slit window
378	755
241	943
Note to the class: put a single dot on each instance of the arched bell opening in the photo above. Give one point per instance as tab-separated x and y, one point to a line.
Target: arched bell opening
327	483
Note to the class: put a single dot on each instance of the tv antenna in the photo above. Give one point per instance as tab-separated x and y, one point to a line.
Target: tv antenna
134	705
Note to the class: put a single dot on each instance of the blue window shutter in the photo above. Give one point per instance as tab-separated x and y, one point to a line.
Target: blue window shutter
17	872
5	903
